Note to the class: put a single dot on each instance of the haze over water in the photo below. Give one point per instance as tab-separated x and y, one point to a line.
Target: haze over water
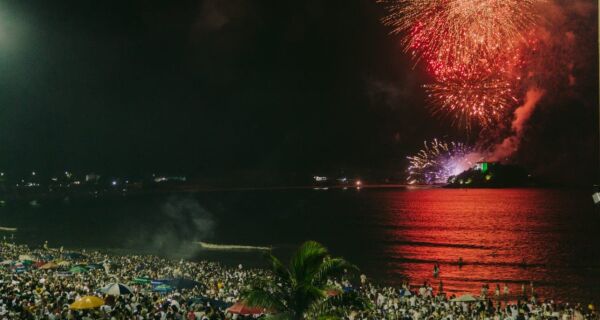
511	236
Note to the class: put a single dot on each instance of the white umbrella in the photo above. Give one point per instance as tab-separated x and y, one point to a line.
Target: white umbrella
465	298
116	289
27	257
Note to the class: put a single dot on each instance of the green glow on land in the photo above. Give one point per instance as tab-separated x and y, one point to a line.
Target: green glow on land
484	167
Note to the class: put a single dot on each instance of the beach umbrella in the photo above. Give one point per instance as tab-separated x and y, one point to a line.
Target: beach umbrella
465	298
332	293
87	302
49	265
116	289
27	262
24	257
163	288
63	263
78	269
95	266
141	280
181	283
242	309
20	268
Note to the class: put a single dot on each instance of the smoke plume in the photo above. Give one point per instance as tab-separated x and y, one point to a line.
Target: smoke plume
181	223
521	115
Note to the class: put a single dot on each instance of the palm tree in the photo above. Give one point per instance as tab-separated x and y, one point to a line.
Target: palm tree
301	288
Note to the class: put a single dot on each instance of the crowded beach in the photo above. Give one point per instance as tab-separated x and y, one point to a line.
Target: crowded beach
52	283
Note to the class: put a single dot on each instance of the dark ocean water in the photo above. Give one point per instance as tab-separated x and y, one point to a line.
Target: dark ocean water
512	236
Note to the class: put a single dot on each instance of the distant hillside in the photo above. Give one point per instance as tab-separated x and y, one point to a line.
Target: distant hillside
492	175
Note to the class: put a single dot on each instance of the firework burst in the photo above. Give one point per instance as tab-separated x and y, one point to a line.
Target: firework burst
460	33
482	102
472	48
438	161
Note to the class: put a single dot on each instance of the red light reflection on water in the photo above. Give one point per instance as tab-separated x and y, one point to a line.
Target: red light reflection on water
503	236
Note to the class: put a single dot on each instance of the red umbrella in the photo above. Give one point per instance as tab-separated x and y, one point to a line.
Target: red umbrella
240	308
332	293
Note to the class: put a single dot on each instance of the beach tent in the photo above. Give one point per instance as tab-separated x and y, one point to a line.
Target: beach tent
78	269
116	289
49	265
242	309
87	302
465	298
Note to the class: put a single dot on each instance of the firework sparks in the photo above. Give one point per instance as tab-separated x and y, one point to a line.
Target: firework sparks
466	102
460	33
438	161
472	48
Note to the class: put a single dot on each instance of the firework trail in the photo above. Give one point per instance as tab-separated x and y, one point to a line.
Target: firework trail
439	160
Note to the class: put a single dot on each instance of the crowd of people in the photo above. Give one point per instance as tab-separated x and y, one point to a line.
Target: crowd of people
30	288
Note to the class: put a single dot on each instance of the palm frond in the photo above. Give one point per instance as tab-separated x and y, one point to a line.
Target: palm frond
337	307
331	267
306	260
348	300
258	297
280	316
278	268
305	296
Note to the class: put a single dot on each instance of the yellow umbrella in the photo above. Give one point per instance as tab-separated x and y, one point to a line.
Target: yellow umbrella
87	302
63	263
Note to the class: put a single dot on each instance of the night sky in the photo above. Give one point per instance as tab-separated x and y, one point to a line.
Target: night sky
236	87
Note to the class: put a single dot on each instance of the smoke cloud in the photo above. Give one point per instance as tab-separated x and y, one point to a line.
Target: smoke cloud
181	223
521	115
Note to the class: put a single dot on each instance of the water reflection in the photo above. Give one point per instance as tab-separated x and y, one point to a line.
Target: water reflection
503	236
